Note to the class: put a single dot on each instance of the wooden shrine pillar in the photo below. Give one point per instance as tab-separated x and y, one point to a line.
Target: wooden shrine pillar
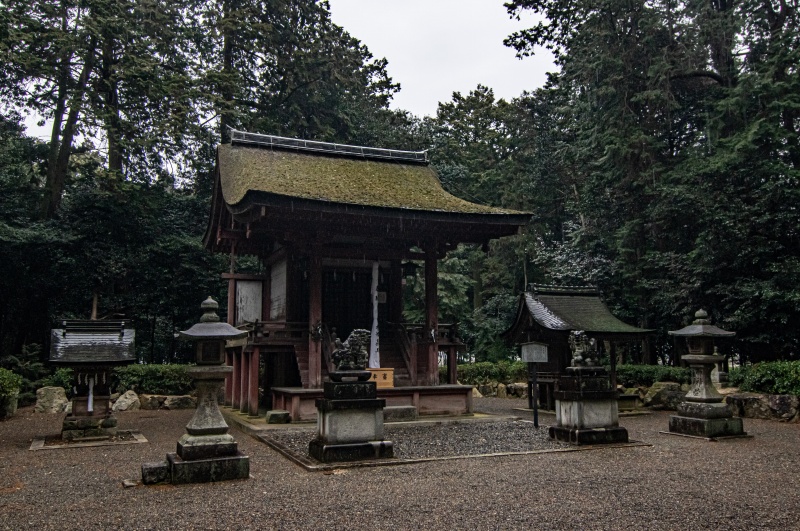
235	378
452	364
314	320
229	379
252	398
431	317
244	380
395	292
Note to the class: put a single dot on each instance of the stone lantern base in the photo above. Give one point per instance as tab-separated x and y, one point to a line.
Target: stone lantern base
706	420
703	413
207	452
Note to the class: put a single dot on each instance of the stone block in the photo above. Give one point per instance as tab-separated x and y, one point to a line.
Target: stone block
180	402
331	453
662	394
699	410
193	447
278	416
350	390
709	428
589	436
86	423
154	473
400	413
587	414
129	401
208	470
151	402
51	400
343	426
109	422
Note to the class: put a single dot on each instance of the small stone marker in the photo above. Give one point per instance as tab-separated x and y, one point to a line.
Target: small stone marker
278	416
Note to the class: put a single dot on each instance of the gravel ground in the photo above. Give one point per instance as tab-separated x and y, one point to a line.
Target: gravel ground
677	483
445	440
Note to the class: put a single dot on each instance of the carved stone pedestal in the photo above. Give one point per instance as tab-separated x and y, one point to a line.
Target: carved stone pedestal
206	452
587	411
703	413
350	424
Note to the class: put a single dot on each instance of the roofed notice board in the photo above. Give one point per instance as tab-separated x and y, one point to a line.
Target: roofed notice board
534	352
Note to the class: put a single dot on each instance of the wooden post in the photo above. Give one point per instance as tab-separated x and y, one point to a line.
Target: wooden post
244	380
395	295
452	365
431	317
235	379
253	383
229	379
314	319
613	359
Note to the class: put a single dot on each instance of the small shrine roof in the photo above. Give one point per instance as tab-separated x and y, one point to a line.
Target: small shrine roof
92	342
336	173
574	308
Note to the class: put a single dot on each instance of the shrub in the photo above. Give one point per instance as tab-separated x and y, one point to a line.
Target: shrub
154	379
647	375
486	371
771	377
9	383
60	378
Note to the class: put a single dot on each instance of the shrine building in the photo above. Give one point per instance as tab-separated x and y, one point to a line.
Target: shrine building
335	229
547	314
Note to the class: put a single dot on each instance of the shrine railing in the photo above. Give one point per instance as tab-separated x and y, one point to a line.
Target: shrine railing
282	333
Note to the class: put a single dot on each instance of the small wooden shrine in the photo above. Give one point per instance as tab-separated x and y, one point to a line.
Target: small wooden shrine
92	349
335	228
547	315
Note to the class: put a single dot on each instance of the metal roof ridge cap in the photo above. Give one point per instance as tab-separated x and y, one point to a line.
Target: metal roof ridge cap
328	147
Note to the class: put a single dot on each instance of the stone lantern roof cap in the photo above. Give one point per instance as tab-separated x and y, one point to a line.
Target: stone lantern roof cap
701	327
210	327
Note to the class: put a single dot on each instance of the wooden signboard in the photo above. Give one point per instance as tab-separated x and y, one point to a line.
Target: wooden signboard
534	352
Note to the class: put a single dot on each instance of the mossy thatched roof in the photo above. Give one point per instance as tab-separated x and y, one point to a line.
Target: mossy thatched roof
335	179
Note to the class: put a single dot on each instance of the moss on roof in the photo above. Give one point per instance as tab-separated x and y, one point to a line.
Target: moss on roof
337	180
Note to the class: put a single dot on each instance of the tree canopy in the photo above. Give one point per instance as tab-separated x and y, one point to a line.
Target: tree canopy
660	162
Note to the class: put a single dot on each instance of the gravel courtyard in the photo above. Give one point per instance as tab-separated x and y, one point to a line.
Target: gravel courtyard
677	483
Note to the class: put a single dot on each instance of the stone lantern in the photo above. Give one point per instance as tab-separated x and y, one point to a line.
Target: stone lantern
704	412
207	452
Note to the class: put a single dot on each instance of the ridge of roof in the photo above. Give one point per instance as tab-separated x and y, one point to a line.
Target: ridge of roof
329	148
549	289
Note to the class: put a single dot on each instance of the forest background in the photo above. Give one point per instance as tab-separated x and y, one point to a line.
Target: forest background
661	162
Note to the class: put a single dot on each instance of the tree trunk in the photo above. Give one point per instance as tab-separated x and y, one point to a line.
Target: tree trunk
111	114
57	172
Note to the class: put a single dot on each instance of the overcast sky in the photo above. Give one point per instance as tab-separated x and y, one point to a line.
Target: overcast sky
436	47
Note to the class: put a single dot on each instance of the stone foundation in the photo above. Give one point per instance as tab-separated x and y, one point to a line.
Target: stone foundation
74	428
350	424
587	411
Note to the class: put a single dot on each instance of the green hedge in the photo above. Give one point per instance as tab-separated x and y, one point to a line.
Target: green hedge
517	371
485	371
153	379
647	375
9	383
61	378
771	377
